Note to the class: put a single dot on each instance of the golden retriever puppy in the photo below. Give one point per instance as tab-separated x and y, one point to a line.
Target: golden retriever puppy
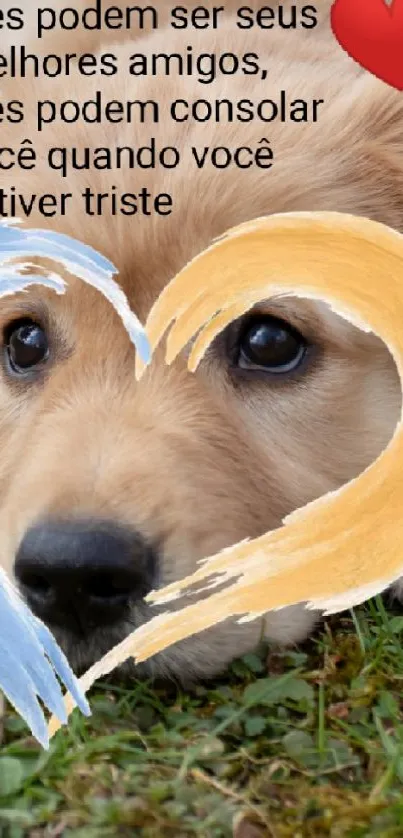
110	488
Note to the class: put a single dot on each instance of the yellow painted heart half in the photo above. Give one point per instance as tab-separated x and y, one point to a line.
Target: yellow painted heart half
348	545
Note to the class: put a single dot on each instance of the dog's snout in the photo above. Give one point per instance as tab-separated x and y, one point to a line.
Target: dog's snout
83	573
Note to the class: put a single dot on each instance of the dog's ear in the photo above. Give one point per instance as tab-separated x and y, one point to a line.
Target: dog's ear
377	116
359	148
381	109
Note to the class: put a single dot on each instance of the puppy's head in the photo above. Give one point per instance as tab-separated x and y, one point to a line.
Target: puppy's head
109	488
112	488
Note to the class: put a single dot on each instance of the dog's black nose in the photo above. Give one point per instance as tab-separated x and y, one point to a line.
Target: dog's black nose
83	575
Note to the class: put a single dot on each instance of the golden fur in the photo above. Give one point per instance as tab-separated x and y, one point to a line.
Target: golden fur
199	462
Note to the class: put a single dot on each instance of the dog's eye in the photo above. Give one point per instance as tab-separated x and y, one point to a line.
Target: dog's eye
270	344
26	345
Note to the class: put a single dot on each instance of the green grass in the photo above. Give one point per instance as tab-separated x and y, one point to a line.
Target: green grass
302	743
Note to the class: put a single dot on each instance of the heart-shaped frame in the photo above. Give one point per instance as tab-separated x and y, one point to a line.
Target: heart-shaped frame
345	547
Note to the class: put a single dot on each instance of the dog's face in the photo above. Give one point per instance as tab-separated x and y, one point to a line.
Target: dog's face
109	487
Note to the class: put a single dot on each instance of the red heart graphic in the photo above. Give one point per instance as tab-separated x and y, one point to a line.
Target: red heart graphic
371	32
